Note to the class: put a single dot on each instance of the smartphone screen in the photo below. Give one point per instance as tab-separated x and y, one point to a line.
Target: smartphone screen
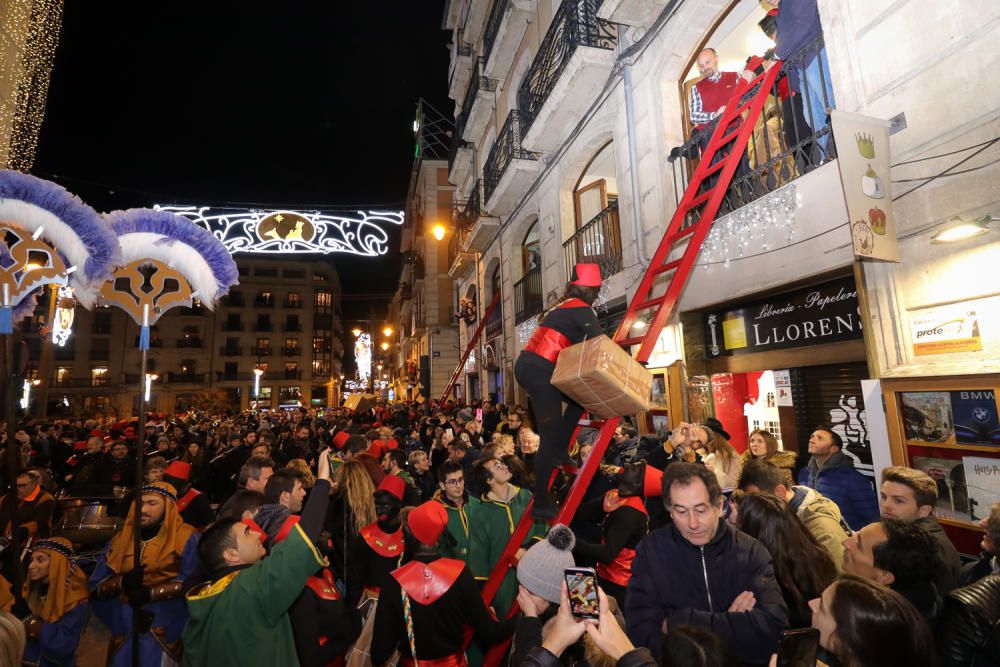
798	648
479	414
450	432
581	585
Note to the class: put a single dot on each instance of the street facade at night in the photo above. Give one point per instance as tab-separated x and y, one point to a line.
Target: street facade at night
469	333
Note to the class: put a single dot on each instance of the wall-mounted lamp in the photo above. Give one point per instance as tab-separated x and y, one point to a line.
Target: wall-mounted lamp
439	231
959	229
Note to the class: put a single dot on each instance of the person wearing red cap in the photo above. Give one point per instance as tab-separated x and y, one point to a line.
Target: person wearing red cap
626	523
569	322
193	505
425	606
380	549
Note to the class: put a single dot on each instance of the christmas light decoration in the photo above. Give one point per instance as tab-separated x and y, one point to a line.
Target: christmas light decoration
294	232
28	40
62	323
761	226
363	357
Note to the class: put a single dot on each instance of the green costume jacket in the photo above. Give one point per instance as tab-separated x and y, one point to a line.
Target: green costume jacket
488	536
459	520
242	619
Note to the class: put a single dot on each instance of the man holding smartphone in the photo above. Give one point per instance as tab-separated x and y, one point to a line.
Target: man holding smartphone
701	571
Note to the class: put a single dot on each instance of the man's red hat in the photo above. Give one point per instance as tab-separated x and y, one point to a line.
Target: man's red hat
341	439
652	483
97	432
394	485
586	275
79	445
428	521
179	470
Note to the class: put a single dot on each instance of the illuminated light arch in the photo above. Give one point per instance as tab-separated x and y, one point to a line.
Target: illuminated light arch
286	231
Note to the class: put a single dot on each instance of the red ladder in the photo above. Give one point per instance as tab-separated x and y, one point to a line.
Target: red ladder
470	347
732	130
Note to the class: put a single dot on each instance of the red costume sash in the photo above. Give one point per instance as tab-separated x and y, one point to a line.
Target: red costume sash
454	660
548	343
323	585
425	583
186	499
385	544
619	571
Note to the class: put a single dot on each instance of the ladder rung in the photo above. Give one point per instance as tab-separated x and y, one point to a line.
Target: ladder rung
726	139
649	303
669	266
569	469
635	340
684	233
701	199
718	166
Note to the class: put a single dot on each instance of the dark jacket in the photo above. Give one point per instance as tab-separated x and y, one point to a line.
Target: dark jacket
542	657
685	584
977	569
841	483
968	632
797	24
946	575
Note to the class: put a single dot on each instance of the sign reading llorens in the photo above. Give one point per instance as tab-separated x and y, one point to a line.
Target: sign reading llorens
826	313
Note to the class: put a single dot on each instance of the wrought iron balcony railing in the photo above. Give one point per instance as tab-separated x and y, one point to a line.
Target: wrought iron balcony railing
494	324
292	351
528	295
191	341
457	143
493	23
232	326
479	82
575	24
260	351
506	149
599	242
783	146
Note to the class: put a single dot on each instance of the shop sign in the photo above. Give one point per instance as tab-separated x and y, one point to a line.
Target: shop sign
783	388
945	331
863	158
826	313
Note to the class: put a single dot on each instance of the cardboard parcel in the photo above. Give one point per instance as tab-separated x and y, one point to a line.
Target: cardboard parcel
603	378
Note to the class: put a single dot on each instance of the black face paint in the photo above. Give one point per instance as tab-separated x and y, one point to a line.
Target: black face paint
631	481
387	506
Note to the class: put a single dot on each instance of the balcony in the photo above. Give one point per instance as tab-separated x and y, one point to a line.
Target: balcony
639	13
571	68
494	324
460	65
505	27
153	342
509	168
292	327
528	295
263	326
187	378
292	304
98	355
477	105
599	241
263	302
293	375
191	311
260	351
459	158
232	326
292	351
223	376
190	342
226	351
782	148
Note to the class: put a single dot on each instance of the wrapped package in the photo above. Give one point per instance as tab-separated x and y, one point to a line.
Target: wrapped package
603	378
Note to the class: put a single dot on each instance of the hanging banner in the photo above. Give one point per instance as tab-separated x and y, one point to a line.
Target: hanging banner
863	156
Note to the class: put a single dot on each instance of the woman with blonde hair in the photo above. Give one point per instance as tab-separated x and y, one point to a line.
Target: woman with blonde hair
351	509
763	445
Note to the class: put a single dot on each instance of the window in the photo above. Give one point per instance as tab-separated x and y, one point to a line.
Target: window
320	277
262	272
63	374
233	322
263	344
265	393
102	323
293	300
99	376
318	395
323	299
321	367
294	274
262	366
263	323
321	344
265	298
191	332
289	393
291	365
291	343
292	323
99	349
188	366
244	270
232	342
151	364
231	370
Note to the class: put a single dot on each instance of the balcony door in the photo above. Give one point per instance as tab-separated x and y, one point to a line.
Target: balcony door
597	236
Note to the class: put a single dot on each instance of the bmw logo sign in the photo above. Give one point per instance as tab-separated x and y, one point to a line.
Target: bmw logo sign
981	414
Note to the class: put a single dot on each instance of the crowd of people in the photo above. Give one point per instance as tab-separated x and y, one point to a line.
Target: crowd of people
320	538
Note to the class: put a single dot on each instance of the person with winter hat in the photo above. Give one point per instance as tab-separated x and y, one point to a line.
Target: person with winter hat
626	523
425	606
193	505
569	322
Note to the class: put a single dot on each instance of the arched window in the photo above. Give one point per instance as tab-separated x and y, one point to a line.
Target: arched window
598	237
597	187
531	249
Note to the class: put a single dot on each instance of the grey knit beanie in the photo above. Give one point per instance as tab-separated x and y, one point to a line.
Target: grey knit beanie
541	569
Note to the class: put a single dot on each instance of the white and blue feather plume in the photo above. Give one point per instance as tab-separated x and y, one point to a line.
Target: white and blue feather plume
76	231
180	244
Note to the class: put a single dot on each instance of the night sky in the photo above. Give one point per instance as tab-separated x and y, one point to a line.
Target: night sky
219	102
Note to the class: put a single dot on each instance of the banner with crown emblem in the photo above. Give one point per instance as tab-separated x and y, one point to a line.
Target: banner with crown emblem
863	156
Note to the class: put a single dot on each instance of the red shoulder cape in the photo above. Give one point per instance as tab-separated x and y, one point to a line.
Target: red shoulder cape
427	582
385	544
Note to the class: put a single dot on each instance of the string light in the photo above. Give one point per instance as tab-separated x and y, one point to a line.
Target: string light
363	357
762	225
28	43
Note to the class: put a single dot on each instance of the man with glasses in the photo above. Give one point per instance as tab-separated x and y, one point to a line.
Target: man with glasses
701	571
33	511
496	517
460	506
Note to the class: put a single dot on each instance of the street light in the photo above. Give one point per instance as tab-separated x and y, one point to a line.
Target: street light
150	377
257	372
387	331
439	231
356	331
385	346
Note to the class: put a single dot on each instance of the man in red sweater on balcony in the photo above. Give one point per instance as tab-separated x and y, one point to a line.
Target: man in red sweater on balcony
708	101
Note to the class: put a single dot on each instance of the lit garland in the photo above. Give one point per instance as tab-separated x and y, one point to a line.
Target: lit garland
28	40
62	324
764	225
363	357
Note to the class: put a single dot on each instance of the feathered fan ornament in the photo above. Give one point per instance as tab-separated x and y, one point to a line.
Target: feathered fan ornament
48	236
